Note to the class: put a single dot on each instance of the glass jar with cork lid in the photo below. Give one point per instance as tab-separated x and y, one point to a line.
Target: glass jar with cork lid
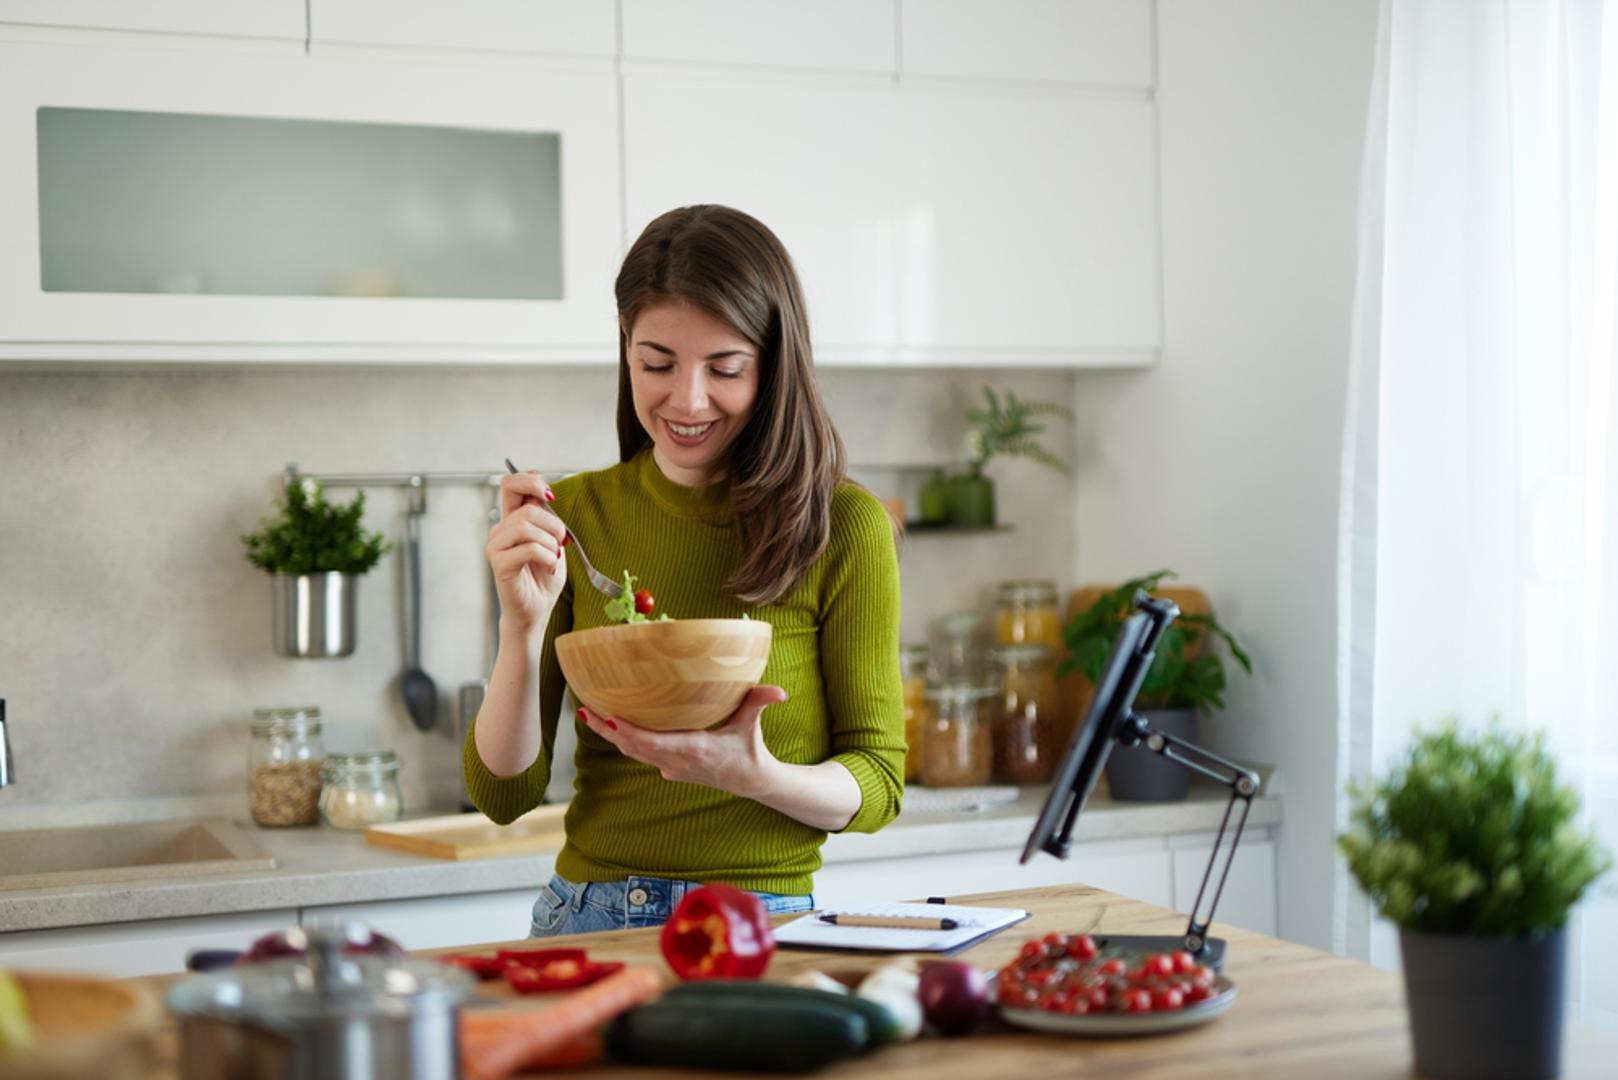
361	788
1026	714
1026	614
915	665
284	760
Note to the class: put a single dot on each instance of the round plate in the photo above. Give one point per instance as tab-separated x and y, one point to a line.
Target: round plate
1111	1023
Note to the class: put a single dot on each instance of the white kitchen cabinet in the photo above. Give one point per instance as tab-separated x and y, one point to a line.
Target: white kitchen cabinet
125	950
282	20
1249	897
440	921
1121	868
829	35
554	27
181	315
1094	42
929	225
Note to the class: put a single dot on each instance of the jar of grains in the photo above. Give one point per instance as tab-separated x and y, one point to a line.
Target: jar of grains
361	789
1026	722
956	742
1026	614
914	664
283	766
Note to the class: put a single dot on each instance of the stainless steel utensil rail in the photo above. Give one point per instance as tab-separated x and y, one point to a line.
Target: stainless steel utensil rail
417	480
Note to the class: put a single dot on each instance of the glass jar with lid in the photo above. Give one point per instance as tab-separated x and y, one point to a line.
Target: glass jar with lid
361	788
284	760
957	648
1026	613
914	667
957	748
1027	723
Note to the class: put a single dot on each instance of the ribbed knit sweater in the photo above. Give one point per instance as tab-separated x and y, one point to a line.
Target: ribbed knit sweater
835	650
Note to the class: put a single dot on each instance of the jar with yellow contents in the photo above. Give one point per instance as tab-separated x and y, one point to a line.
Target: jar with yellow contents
914	673
1026	614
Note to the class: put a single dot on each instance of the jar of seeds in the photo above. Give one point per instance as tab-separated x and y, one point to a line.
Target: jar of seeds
284	763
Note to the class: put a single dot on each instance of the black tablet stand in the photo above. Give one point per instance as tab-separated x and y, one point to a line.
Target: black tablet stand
1131	729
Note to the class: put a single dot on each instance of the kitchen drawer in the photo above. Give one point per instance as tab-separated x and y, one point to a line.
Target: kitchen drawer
439	921
558	27
1093	42
124	950
828	35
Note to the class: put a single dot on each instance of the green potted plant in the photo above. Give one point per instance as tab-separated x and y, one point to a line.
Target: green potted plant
1006	426
1186	679
315	552
1470	846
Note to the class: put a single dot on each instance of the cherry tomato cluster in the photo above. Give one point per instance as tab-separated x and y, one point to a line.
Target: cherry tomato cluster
1069	973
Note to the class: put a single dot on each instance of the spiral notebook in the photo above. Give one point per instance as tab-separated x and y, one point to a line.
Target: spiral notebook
973	924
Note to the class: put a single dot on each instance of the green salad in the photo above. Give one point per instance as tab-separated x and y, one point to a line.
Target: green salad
632	605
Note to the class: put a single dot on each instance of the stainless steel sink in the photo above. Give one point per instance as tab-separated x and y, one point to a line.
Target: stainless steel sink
138	851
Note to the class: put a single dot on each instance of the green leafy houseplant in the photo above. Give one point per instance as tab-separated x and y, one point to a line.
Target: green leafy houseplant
312	536
1182	676
1006	426
1472	835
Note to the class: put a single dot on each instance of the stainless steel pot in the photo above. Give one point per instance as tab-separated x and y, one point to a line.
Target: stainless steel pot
326	1015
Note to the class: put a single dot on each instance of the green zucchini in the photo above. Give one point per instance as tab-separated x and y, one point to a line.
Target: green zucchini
883	1026
757	1034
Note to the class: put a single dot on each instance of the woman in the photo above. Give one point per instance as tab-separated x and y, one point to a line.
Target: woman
730	498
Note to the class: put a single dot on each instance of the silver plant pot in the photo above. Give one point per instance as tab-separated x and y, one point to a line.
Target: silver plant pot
314	614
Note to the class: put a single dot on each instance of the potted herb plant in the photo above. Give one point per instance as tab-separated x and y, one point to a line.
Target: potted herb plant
1186	679
315	552
1007	426
1469	846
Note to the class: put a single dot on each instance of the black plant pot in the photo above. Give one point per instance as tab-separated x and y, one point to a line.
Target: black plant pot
1136	774
1485	1008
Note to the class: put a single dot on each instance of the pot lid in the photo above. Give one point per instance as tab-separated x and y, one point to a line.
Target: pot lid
325	984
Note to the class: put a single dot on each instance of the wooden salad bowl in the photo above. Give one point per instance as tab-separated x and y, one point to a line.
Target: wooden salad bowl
679	675
85	1027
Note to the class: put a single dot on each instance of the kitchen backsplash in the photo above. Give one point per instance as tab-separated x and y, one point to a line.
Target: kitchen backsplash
135	640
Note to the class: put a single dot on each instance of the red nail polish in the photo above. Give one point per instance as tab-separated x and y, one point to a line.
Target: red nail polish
566	536
608	721
580	715
550	496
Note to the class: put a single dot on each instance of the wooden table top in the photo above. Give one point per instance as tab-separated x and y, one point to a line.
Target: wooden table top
1299	1012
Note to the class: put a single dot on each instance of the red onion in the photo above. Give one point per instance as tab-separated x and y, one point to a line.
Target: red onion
954	996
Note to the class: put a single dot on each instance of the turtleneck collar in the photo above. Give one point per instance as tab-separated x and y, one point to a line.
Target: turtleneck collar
711	502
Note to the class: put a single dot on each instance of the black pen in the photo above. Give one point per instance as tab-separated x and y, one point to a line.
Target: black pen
891	922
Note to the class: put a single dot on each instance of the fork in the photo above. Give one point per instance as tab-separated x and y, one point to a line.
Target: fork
600	581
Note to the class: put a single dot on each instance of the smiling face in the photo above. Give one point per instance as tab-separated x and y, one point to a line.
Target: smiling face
694	380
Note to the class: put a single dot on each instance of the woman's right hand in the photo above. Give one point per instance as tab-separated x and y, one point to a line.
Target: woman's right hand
525	553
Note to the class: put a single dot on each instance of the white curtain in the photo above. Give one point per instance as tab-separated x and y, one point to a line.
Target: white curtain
1479	543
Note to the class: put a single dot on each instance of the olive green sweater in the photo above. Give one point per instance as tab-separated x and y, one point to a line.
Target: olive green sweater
835	651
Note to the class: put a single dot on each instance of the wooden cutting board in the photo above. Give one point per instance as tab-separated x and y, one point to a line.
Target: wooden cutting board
473	836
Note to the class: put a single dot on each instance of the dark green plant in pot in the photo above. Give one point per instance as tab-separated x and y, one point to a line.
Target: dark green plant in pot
313	536
1182	676
1472	847
1007	426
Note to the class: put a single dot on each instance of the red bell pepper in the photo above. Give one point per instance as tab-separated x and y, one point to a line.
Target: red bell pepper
718	932
537	958
484	967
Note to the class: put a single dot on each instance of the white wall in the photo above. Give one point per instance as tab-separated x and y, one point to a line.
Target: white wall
135	641
1222	462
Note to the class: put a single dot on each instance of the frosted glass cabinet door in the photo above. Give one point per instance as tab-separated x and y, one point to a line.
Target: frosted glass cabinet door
176	205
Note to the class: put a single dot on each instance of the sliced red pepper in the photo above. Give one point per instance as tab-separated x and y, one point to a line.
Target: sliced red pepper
559	975
484	967
541	957
718	932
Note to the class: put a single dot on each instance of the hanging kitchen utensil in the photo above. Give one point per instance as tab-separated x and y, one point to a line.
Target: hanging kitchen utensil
420	694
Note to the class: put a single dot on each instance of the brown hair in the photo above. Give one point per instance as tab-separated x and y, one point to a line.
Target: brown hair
788	459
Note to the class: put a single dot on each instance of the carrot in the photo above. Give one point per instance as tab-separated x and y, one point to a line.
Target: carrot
497	1044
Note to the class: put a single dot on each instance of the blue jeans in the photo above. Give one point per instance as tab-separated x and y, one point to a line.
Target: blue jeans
566	907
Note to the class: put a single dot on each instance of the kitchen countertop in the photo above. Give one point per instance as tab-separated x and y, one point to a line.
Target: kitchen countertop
1299	1012
318	866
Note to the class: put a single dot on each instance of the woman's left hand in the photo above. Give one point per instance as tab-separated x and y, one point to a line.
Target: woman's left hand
731	757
